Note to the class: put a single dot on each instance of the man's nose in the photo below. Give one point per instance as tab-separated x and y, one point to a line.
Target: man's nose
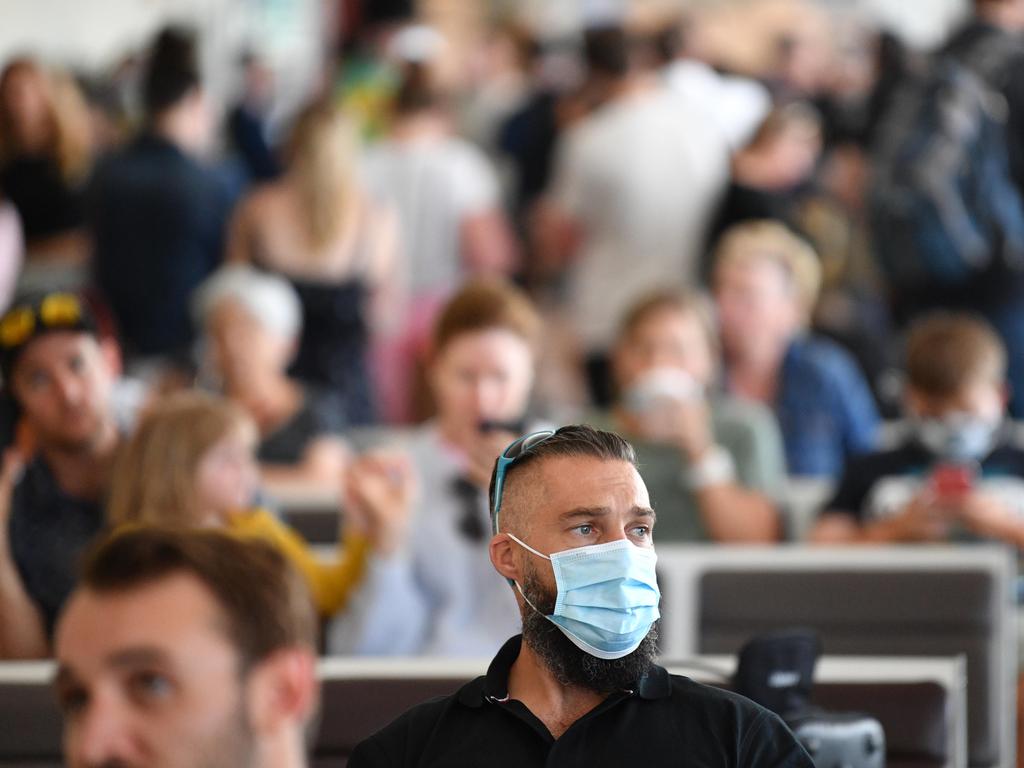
69	387
101	738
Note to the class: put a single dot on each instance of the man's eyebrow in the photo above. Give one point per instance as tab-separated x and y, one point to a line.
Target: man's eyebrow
590	512
136	656
584	512
645	512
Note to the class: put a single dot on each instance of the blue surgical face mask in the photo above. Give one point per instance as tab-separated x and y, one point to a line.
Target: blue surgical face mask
607	596
958	436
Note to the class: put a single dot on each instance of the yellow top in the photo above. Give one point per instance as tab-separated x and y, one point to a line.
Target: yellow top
330	583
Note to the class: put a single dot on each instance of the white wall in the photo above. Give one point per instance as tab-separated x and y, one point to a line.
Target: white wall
93	34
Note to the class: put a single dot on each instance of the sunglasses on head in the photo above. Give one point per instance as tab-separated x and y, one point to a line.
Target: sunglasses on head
509	456
58	310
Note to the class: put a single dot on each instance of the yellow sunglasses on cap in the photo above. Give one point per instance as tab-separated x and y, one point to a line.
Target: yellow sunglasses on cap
58	310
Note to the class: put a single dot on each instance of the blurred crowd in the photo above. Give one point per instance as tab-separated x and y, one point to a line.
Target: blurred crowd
803	267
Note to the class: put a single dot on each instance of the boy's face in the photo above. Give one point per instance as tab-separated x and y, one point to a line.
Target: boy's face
982	399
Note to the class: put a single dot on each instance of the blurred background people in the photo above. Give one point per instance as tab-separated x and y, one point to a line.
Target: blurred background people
958	472
451	224
191	463
435	593
157	214
624	223
713	464
766	283
251	324
45	161
337	247
59	379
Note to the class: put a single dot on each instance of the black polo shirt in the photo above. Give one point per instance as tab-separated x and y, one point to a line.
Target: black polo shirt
48	532
666	720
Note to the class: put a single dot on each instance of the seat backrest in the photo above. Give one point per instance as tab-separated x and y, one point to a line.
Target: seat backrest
892	602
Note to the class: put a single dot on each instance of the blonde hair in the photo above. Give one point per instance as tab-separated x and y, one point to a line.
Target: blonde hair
772	242
322	159
155	471
69	119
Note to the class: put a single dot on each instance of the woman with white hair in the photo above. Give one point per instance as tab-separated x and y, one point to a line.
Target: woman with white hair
251	323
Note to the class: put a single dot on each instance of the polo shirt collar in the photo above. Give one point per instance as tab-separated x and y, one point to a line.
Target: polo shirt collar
494	685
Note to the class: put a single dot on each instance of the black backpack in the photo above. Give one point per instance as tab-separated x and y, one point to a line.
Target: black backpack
942	204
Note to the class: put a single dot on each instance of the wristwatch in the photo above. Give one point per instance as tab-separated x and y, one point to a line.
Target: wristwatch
715	468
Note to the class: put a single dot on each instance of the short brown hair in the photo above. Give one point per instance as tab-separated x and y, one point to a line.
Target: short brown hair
265	603
685	302
947	351
483	305
155	471
576	441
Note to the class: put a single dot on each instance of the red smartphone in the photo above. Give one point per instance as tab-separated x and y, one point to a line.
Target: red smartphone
952	481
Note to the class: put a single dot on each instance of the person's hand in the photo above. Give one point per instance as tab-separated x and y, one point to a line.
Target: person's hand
11	466
379	492
924	518
685	424
482	454
985	515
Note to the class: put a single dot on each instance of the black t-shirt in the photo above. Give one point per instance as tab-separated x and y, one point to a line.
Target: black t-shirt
666	721
320	415
880	484
48	532
46	203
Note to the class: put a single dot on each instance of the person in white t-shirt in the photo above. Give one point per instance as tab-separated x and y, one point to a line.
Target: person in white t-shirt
446	196
635	185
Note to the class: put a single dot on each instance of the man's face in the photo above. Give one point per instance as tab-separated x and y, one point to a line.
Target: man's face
63	382
148	678
564	503
757	307
482	376
666	339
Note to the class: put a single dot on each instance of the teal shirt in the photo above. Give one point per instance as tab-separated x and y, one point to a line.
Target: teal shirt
748	431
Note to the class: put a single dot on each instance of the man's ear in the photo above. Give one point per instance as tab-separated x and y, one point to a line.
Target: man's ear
502	551
283	690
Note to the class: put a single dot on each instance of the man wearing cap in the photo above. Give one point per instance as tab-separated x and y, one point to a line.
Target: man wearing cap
572	535
58	375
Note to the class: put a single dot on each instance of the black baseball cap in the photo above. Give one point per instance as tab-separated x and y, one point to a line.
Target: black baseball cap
33	317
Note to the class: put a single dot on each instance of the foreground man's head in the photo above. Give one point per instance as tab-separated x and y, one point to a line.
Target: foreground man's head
188	649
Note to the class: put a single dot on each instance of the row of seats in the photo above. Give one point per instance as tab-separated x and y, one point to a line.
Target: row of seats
923	713
953	604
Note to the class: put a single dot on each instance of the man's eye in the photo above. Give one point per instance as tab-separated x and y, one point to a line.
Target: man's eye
150	685
72	701
585	530
37	380
641	531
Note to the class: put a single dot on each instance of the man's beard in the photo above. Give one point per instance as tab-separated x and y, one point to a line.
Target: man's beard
570	664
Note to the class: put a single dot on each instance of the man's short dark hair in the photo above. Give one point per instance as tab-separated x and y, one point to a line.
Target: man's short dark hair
576	440
172	71
266	605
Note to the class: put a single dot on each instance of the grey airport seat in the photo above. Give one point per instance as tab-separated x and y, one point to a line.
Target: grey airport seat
912	601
